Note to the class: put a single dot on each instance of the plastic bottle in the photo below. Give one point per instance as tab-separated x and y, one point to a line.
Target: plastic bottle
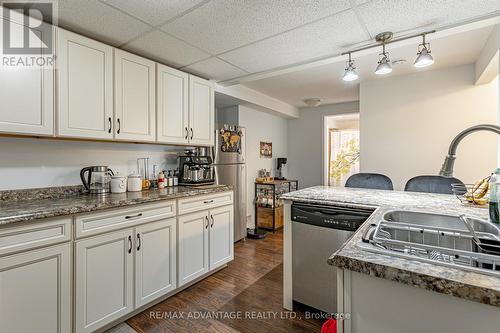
176	177
494	196
161	180
170	179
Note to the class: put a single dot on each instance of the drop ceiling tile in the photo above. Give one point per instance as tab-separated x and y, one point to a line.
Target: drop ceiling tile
153	11
327	37
223	25
399	15
165	49
96	20
215	69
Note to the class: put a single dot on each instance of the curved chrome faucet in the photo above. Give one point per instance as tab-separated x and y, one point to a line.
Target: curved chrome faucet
447	168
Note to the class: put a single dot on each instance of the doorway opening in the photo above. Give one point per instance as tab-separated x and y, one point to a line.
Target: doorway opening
341	148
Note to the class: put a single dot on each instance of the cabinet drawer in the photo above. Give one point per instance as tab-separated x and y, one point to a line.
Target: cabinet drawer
33	235
197	203
97	223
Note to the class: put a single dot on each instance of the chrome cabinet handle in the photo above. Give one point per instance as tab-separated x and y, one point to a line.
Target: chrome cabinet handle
212	218
133	216
187	132
192	133
129	244
139	240
208	201
110	123
119	126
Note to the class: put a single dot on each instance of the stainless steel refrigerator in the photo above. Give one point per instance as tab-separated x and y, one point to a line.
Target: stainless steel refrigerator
230	169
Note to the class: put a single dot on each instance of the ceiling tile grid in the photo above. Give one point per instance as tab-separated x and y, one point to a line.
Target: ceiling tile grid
215	69
408	15
222	25
96	20
165	49
154	12
326	37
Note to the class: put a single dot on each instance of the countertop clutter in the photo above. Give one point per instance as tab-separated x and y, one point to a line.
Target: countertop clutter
33	204
460	283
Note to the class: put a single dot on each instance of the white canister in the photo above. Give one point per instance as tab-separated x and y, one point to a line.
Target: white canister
134	182
118	183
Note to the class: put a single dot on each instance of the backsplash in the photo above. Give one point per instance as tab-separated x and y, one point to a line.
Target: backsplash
27	163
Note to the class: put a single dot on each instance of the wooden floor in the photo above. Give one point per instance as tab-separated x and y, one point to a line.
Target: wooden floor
244	297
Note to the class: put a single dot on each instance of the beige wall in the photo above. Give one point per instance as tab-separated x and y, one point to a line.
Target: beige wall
306	137
266	127
408	122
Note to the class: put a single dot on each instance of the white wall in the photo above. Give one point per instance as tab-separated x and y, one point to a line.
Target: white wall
407	123
31	163
306	142
261	126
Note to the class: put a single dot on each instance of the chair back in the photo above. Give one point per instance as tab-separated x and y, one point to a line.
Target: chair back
370	180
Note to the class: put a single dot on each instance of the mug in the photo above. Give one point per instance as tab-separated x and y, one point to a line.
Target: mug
118	184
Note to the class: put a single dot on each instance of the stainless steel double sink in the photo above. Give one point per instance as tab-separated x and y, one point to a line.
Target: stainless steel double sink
436	238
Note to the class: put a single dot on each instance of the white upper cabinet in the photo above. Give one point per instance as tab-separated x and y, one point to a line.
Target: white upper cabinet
27	95
135	111
84	87
172	105
201	112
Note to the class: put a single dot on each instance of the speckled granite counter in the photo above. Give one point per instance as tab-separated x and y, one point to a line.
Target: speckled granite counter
19	206
460	283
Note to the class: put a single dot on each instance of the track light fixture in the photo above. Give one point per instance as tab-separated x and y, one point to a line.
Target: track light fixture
424	57
384	65
350	73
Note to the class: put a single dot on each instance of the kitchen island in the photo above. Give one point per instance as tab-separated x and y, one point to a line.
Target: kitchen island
385	293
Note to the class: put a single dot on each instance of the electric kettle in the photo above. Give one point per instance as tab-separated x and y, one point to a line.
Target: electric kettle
98	179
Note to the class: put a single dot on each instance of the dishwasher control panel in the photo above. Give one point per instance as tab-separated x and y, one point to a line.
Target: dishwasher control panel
334	217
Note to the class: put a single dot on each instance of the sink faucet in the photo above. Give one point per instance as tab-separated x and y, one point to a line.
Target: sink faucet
447	168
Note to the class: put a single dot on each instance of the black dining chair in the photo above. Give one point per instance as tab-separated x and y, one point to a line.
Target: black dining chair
370	180
432	184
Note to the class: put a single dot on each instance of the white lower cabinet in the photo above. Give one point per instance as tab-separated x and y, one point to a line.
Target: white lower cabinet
205	242
193	246
103	279
221	236
155	260
35	291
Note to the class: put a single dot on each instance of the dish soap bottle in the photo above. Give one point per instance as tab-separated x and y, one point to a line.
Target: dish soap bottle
494	196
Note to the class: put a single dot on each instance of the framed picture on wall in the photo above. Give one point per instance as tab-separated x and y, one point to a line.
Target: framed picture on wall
266	149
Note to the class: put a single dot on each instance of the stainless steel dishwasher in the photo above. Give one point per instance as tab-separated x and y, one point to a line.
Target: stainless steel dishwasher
317	232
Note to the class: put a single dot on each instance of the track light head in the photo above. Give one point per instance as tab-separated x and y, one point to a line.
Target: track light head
350	73
424	57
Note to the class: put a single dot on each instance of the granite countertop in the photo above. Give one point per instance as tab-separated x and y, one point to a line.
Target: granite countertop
451	281
20	206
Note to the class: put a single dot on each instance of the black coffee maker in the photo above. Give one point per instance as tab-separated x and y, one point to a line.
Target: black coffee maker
280	161
195	170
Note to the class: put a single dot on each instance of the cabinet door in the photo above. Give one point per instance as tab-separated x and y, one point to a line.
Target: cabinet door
27	94
201	112
193	246
172	105
156	257
35	291
103	279
221	236
84	87
135	110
